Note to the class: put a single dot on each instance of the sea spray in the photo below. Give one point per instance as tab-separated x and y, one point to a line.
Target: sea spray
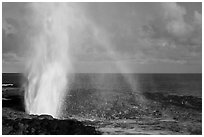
49	62
57	29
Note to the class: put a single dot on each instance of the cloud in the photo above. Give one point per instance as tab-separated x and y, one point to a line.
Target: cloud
157	30
171	24
173	17
108	32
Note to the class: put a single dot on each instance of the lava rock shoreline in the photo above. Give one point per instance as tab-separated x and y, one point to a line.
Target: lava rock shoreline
184	112
45	125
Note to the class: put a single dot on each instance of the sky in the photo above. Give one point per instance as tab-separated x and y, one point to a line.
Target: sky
115	37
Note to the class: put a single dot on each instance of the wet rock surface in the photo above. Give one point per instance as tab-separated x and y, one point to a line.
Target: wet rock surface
22	124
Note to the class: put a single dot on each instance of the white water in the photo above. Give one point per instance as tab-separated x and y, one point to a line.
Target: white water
49	62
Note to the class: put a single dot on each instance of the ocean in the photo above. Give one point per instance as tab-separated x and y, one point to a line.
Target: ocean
180	84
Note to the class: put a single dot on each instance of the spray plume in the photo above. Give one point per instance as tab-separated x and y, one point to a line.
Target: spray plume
49	64
58	27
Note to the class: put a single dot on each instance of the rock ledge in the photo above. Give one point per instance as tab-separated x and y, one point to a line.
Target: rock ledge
45	125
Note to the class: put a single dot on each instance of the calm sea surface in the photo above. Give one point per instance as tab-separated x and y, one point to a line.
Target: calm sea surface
180	84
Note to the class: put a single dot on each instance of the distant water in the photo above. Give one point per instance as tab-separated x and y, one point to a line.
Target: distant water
16	79
180	84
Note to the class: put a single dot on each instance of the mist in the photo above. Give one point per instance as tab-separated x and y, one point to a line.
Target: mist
49	64
56	36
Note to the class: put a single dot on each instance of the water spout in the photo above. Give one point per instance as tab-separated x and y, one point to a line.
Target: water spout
49	64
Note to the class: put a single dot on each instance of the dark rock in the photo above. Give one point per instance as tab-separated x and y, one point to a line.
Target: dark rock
45	125
49	117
